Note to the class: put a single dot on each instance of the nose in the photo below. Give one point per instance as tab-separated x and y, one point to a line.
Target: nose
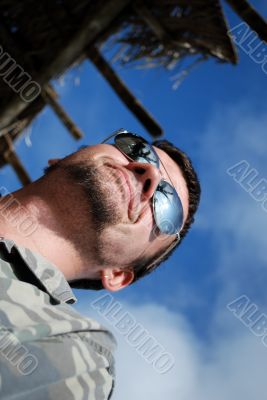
148	176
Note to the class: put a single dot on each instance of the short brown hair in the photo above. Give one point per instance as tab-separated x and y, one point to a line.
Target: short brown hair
193	186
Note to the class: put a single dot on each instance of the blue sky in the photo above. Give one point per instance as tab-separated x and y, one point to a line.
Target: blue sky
218	116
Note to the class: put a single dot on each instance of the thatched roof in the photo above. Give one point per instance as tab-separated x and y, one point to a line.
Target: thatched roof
46	37
181	29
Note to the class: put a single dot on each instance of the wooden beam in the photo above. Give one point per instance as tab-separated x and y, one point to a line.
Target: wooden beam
91	27
14	129
248	14
50	97
124	93
12	158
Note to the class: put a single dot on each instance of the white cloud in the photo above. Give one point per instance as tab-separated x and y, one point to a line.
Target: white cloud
230	367
234	134
237	222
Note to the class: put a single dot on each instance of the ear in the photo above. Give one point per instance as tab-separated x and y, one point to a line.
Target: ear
114	279
53	161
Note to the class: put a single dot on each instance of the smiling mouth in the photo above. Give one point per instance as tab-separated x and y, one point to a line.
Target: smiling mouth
125	188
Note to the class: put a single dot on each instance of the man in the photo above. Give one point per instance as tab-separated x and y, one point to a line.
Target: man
103	217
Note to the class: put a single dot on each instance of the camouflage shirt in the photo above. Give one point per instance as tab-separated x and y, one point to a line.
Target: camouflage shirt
47	349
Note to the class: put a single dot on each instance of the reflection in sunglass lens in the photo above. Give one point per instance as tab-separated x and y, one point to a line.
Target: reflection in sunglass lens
137	149
168	210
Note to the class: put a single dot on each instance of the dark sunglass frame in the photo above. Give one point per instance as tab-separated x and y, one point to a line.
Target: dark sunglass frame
161	188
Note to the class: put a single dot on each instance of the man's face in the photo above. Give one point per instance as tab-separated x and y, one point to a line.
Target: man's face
119	194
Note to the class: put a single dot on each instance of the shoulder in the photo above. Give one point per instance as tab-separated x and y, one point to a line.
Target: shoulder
55	352
61	367
48	349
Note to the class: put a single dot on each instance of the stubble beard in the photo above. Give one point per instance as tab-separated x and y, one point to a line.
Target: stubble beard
98	201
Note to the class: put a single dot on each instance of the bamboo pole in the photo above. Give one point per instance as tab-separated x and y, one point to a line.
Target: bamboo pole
124	93
50	97
12	158
246	12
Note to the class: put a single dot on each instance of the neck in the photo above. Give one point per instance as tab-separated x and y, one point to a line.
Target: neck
44	221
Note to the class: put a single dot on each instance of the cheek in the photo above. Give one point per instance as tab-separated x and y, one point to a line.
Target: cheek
145	230
104	152
121	245
146	223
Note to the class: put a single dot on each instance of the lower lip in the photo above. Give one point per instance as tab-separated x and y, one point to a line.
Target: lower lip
124	182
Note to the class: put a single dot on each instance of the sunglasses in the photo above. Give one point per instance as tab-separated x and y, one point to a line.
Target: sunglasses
167	206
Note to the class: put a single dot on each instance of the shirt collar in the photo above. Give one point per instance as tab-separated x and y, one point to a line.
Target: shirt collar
50	277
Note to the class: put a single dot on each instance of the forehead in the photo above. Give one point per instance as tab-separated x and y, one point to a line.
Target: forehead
176	176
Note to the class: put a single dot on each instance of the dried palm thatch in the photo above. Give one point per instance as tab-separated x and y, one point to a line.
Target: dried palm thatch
47	37
181	29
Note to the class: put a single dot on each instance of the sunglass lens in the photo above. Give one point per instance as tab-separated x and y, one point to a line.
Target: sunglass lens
136	148
168	210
